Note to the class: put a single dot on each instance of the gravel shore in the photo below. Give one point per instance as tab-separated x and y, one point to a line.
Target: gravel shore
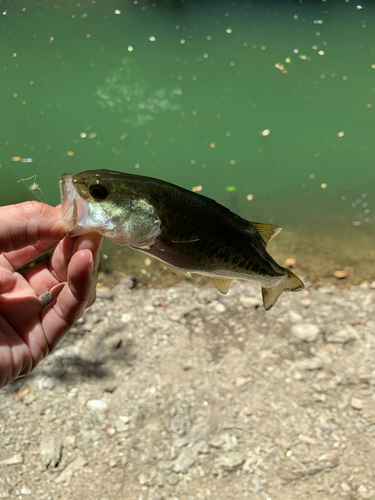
185	394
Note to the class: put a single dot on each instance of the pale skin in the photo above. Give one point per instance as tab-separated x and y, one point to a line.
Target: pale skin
29	332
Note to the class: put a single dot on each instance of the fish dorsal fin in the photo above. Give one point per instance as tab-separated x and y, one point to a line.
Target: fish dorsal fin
267	231
222	284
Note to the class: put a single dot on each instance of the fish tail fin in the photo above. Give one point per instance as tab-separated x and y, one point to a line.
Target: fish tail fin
290	284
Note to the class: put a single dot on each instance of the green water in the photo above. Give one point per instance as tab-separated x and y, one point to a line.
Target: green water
183	91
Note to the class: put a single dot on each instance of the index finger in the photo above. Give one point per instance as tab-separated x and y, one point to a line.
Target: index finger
28	223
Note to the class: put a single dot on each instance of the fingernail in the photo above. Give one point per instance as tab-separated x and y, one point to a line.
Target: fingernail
91	259
55	290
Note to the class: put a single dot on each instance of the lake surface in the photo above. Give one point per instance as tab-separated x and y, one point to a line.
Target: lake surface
268	106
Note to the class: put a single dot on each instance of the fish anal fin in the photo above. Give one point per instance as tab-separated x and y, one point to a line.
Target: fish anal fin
222	284
290	284
267	231
180	272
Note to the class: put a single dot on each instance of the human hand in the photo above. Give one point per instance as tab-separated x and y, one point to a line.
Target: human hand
29	331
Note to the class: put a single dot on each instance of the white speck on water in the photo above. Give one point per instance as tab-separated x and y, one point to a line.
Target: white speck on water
130	48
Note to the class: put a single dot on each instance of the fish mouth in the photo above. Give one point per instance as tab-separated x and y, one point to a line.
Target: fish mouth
73	208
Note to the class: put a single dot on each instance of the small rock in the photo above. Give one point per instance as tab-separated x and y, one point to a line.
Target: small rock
343	336
340	273
49	383
122	423
103	292
97	405
69	441
66	475
125	318
180	442
166	464
216	441
186	459
365	285
24	391
220	308
14	460
173	479
308	332
290	262
249	302
372	285
203	448
25	490
309	364
50	451
230	442
142	479
203	430
356	403
345	486
231	460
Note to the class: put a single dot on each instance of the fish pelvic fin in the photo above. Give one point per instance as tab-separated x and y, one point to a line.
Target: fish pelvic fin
290	284
179	271
267	231
222	284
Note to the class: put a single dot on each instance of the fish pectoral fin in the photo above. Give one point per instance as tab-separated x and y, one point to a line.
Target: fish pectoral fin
180	272
193	239
290	284
222	284
267	231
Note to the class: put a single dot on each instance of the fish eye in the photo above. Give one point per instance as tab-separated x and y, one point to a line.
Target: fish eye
98	191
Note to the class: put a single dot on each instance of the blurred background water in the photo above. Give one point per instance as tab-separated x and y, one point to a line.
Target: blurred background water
266	106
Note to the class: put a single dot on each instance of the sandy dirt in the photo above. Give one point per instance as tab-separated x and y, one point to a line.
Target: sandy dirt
182	393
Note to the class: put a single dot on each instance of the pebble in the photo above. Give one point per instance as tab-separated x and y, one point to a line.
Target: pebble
49	383
249	302
142	479
25	490
180	442
125	318
356	403
372	285
309	364
50	451
166	464
15	459
66	475
203	430
173	479
343	336
216	441
290	262
365	285
122	423
231	460
340	273
97	405
308	332
220	308
186	459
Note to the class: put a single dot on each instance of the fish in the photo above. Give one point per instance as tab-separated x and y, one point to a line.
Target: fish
188	232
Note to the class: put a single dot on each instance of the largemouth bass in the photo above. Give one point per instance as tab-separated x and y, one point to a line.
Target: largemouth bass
188	232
